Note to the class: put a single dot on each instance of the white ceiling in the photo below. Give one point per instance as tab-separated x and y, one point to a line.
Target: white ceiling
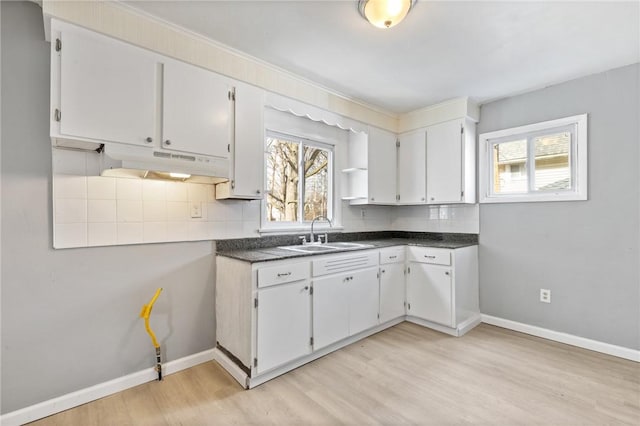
485	50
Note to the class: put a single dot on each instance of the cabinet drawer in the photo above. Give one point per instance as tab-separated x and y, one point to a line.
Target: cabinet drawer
435	256
275	275
392	255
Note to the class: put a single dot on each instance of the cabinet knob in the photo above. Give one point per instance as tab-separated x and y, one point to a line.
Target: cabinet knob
446	273
373	199
149	139
167	142
258	192
306	287
382	271
422	199
432	199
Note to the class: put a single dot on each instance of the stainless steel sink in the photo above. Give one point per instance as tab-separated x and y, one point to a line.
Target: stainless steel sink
347	246
325	248
320	248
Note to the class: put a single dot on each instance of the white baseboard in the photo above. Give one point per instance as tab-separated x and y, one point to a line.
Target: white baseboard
569	339
82	396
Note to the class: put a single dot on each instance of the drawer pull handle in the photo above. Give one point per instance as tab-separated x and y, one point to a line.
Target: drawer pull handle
392	257
429	257
286	274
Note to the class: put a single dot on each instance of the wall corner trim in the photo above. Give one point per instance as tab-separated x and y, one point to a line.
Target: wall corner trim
569	339
82	396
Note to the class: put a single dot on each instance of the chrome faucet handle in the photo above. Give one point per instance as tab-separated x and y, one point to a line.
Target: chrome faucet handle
303	238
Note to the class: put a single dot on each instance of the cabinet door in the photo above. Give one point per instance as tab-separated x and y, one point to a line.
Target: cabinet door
392	291
429	293
283	324
364	300
444	162
382	166
330	310
107	90
248	146
411	168
196	110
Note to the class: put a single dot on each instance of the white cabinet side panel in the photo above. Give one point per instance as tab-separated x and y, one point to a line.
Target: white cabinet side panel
234	282
467	300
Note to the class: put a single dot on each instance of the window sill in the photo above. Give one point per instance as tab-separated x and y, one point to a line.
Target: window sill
528	198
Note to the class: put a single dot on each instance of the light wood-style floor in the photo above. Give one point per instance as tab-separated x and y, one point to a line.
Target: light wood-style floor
404	375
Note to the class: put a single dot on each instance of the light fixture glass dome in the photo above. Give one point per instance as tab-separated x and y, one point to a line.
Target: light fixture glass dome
384	13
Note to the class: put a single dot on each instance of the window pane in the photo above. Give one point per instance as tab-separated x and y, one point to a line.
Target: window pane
282	180
316	185
510	167
552	162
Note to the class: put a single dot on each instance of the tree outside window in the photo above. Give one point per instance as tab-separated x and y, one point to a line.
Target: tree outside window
298	179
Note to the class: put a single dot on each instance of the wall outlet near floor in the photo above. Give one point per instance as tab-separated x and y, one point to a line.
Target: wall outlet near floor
196	209
545	295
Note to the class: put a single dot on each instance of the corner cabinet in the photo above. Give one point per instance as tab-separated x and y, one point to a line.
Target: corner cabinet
450	162
412	167
442	287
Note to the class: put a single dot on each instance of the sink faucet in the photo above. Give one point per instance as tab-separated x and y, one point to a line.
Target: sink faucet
312	236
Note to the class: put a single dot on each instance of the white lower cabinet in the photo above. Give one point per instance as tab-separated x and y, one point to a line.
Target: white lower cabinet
429	291
330	310
283	324
274	316
392	283
442	285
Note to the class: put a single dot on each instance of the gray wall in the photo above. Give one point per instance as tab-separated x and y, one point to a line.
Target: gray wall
586	252
70	317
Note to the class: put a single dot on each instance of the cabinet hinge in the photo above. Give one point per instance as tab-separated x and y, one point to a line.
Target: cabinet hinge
462	130
311	291
255	302
397	143
409	306
233	184
311	341
58	45
378	275
228	147
397	197
408	269
461	193
232	95
255	362
378	315
57	115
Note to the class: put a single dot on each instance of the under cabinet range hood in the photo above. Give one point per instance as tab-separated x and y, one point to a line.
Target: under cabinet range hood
121	160
146	162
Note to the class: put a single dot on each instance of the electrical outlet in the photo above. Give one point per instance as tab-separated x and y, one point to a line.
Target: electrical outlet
196	209
545	295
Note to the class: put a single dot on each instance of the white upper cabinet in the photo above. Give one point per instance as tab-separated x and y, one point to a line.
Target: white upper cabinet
451	162
382	166
247	149
412	167
196	110
102	89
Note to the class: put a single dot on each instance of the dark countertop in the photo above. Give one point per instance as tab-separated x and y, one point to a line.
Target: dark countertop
266	254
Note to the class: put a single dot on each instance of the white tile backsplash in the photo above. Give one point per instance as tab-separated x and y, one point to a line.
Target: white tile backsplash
101	211
154	232
197	192
154	211
69	186
101	188
129	233
129	189
68	235
102	234
177	210
176	191
154	190
129	210
71	210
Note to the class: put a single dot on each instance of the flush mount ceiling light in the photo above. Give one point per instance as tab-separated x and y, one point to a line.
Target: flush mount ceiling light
385	13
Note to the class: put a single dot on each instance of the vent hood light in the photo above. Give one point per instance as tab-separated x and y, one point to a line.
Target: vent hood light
176	175
385	13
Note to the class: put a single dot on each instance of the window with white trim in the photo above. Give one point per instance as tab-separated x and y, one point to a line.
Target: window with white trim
299	178
538	162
